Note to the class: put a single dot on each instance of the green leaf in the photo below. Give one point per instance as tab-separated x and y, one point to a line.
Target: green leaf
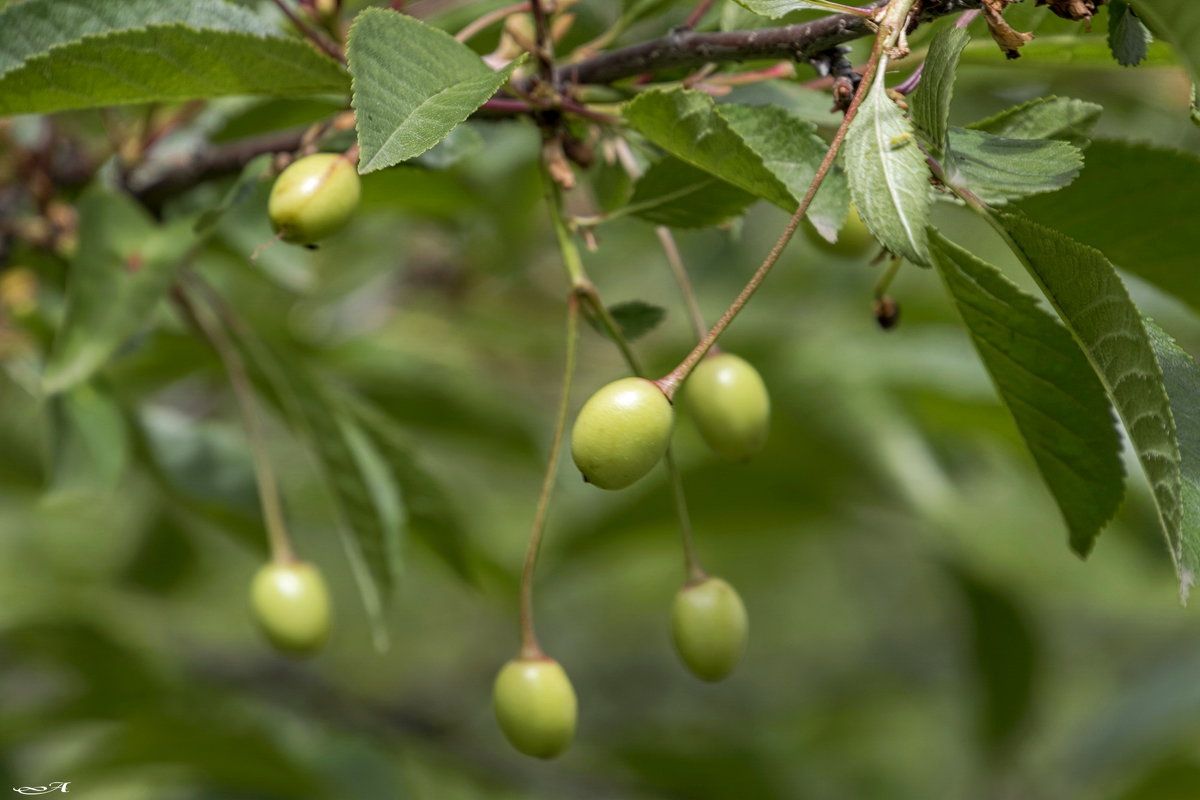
1121	205
1127	36
1178	22
242	188
997	169
779	8
1049	387
123	266
89	443
1004	654
889	180
1088	295
636	318
930	103
1045	118
63	54
1182	377
760	149
673	192
413	84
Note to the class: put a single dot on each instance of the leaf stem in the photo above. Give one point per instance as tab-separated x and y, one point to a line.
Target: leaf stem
529	643
671	382
268	489
326	47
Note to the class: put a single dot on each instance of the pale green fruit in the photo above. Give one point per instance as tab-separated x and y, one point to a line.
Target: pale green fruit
621	432
314	197
291	604
709	624
535	706
854	239
730	404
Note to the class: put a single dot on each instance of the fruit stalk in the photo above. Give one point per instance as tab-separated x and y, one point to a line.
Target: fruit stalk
529	643
671	382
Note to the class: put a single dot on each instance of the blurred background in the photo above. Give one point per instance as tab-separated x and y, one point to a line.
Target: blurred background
919	627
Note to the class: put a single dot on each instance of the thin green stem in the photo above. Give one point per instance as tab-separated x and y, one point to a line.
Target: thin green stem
885	280
695	572
268	489
529	643
671	382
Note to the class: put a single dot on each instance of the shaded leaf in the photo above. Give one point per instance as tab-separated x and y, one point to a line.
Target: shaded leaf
930	103
62	54
1119	205
413	84
1045	118
1182	377
1127	36
779	8
760	149
1090	298
241	190
673	192
637	318
889	180
1178	22
1049	387
90	447
123	266
1004	654
997	169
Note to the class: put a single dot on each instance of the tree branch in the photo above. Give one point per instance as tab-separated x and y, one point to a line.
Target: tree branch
683	48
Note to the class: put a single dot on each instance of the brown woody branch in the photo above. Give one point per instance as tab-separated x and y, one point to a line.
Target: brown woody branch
678	49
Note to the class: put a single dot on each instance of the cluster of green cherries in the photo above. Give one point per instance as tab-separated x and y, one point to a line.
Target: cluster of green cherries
620	434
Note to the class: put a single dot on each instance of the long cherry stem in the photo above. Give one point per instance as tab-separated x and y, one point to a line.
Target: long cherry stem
529	642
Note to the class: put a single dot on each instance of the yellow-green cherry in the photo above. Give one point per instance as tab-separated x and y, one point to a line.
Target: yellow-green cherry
291	604
854	239
535	706
709	625
621	432
730	404
314	197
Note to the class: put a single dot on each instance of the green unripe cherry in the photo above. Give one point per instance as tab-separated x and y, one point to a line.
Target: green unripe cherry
291	604
535	706
709	624
314	197
731	406
854	238
621	432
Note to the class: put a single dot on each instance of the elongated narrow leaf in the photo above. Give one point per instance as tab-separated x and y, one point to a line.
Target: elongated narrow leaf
930	103
760	149
1046	382
889	180
1182	376
1178	22
997	169
413	84
90	446
1045	118
1137	204
1091	299
123	266
673	192
778	8
1127	36
62	54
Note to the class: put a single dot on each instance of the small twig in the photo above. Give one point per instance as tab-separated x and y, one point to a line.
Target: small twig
487	19
310	33
698	13
542	42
